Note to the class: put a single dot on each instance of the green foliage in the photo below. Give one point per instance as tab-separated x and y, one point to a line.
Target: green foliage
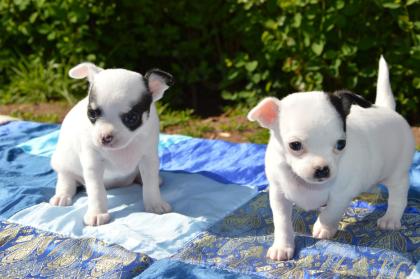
185	38
327	45
41	40
31	81
220	52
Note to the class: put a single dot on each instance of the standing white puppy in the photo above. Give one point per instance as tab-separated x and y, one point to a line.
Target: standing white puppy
325	149
110	139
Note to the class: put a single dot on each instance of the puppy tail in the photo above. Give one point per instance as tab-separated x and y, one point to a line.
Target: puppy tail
384	96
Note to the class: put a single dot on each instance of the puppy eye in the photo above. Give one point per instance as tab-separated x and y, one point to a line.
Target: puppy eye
340	144
93	114
295	145
130	118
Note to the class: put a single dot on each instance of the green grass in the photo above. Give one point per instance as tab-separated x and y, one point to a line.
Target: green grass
29	116
260	136
169	117
233	121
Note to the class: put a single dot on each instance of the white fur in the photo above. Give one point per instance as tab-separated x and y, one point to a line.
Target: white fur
384	96
379	149
81	158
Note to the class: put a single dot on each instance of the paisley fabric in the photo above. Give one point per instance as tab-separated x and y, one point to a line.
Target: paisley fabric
240	241
171	269
27	252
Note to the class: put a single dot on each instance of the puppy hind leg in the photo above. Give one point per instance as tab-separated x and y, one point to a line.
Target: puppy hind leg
397	201
65	190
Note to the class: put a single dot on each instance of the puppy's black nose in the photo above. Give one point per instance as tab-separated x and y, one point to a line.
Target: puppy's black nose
107	139
322	172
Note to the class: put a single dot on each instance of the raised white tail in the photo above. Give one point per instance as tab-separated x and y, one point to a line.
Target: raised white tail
384	96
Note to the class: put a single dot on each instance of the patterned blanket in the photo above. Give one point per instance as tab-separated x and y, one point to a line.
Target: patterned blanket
223	229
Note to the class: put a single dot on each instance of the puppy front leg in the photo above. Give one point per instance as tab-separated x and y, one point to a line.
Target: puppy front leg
326	225
284	243
149	171
93	172
64	190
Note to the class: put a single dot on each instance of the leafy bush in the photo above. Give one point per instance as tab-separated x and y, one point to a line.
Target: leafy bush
220	52
327	45
39	43
182	37
32	81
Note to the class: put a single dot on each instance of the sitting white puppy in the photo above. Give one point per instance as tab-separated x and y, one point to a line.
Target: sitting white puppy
110	139
325	149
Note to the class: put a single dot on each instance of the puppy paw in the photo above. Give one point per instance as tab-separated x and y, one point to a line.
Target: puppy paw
60	200
280	252
159	206
389	223
323	232
96	219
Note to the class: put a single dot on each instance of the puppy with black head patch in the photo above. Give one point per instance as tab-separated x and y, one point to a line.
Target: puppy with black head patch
110	139
325	149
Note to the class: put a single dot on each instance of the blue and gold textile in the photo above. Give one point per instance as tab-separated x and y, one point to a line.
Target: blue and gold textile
26	253
240	241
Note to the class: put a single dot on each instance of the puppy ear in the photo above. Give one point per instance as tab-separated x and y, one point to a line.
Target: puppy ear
84	70
157	82
266	112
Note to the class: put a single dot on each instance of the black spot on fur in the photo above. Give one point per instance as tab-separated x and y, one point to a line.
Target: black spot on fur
93	114
91	94
93	111
342	101
134	118
167	77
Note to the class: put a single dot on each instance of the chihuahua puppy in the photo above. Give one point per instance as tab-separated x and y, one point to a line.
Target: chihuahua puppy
325	149
110	139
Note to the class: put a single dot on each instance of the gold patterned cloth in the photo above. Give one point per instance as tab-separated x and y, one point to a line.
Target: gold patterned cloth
26	252
240	241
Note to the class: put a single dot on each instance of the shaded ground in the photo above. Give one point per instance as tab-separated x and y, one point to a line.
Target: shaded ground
231	126
42	112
